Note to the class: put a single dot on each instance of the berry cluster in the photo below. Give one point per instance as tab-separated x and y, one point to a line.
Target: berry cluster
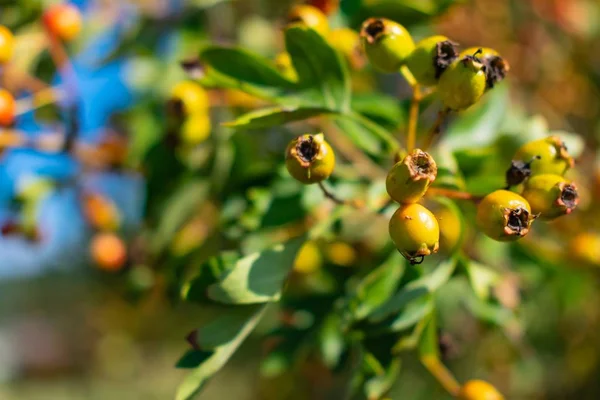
461	79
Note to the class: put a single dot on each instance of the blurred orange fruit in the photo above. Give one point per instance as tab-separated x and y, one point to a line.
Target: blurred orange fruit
63	21
8	108
7	44
108	251
101	212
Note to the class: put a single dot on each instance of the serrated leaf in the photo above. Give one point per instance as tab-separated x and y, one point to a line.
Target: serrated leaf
377	287
322	73
258	277
419	288
198	377
275	116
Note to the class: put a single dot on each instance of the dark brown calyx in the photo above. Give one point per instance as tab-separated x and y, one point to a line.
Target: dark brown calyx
193	67
308	149
562	151
421	165
373	29
569	197
518	172
517	222
446	52
496	69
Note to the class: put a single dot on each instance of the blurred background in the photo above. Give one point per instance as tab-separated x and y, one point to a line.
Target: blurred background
102	204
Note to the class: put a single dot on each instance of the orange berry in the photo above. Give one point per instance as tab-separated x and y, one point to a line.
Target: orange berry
63	21
8	108
479	390
100	212
108	252
7	44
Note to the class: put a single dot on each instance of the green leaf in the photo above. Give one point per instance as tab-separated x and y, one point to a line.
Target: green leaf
429	343
178	211
414	312
490	312
258	277
378	386
482	279
419	288
224	328
377	287
331	340
275	116
192	359
366	134
198	377
479	125
322	73
239	69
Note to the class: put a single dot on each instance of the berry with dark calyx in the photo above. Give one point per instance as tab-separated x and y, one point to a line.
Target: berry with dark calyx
504	216
8	108
478	390
409	179
310	159
463	83
430	58
518	172
63	21
415	232
310	16
547	156
496	67
187	98
387	44
550	196
7	44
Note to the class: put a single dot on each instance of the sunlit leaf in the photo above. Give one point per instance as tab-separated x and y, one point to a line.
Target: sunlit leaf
275	116
258	277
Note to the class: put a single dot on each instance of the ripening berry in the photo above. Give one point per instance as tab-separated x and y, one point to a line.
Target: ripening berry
347	42
8	108
462	84
585	248
195	129
547	156
387	44
496	67
504	216
479	390
415	231
63	21
7	44
188	98
309	158
108	251
308	259
283	62
431	57
100	212
550	196
309	16
451	223
409	179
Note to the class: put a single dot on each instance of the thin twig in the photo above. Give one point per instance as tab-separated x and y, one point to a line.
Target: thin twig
436	128
330	195
441	374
